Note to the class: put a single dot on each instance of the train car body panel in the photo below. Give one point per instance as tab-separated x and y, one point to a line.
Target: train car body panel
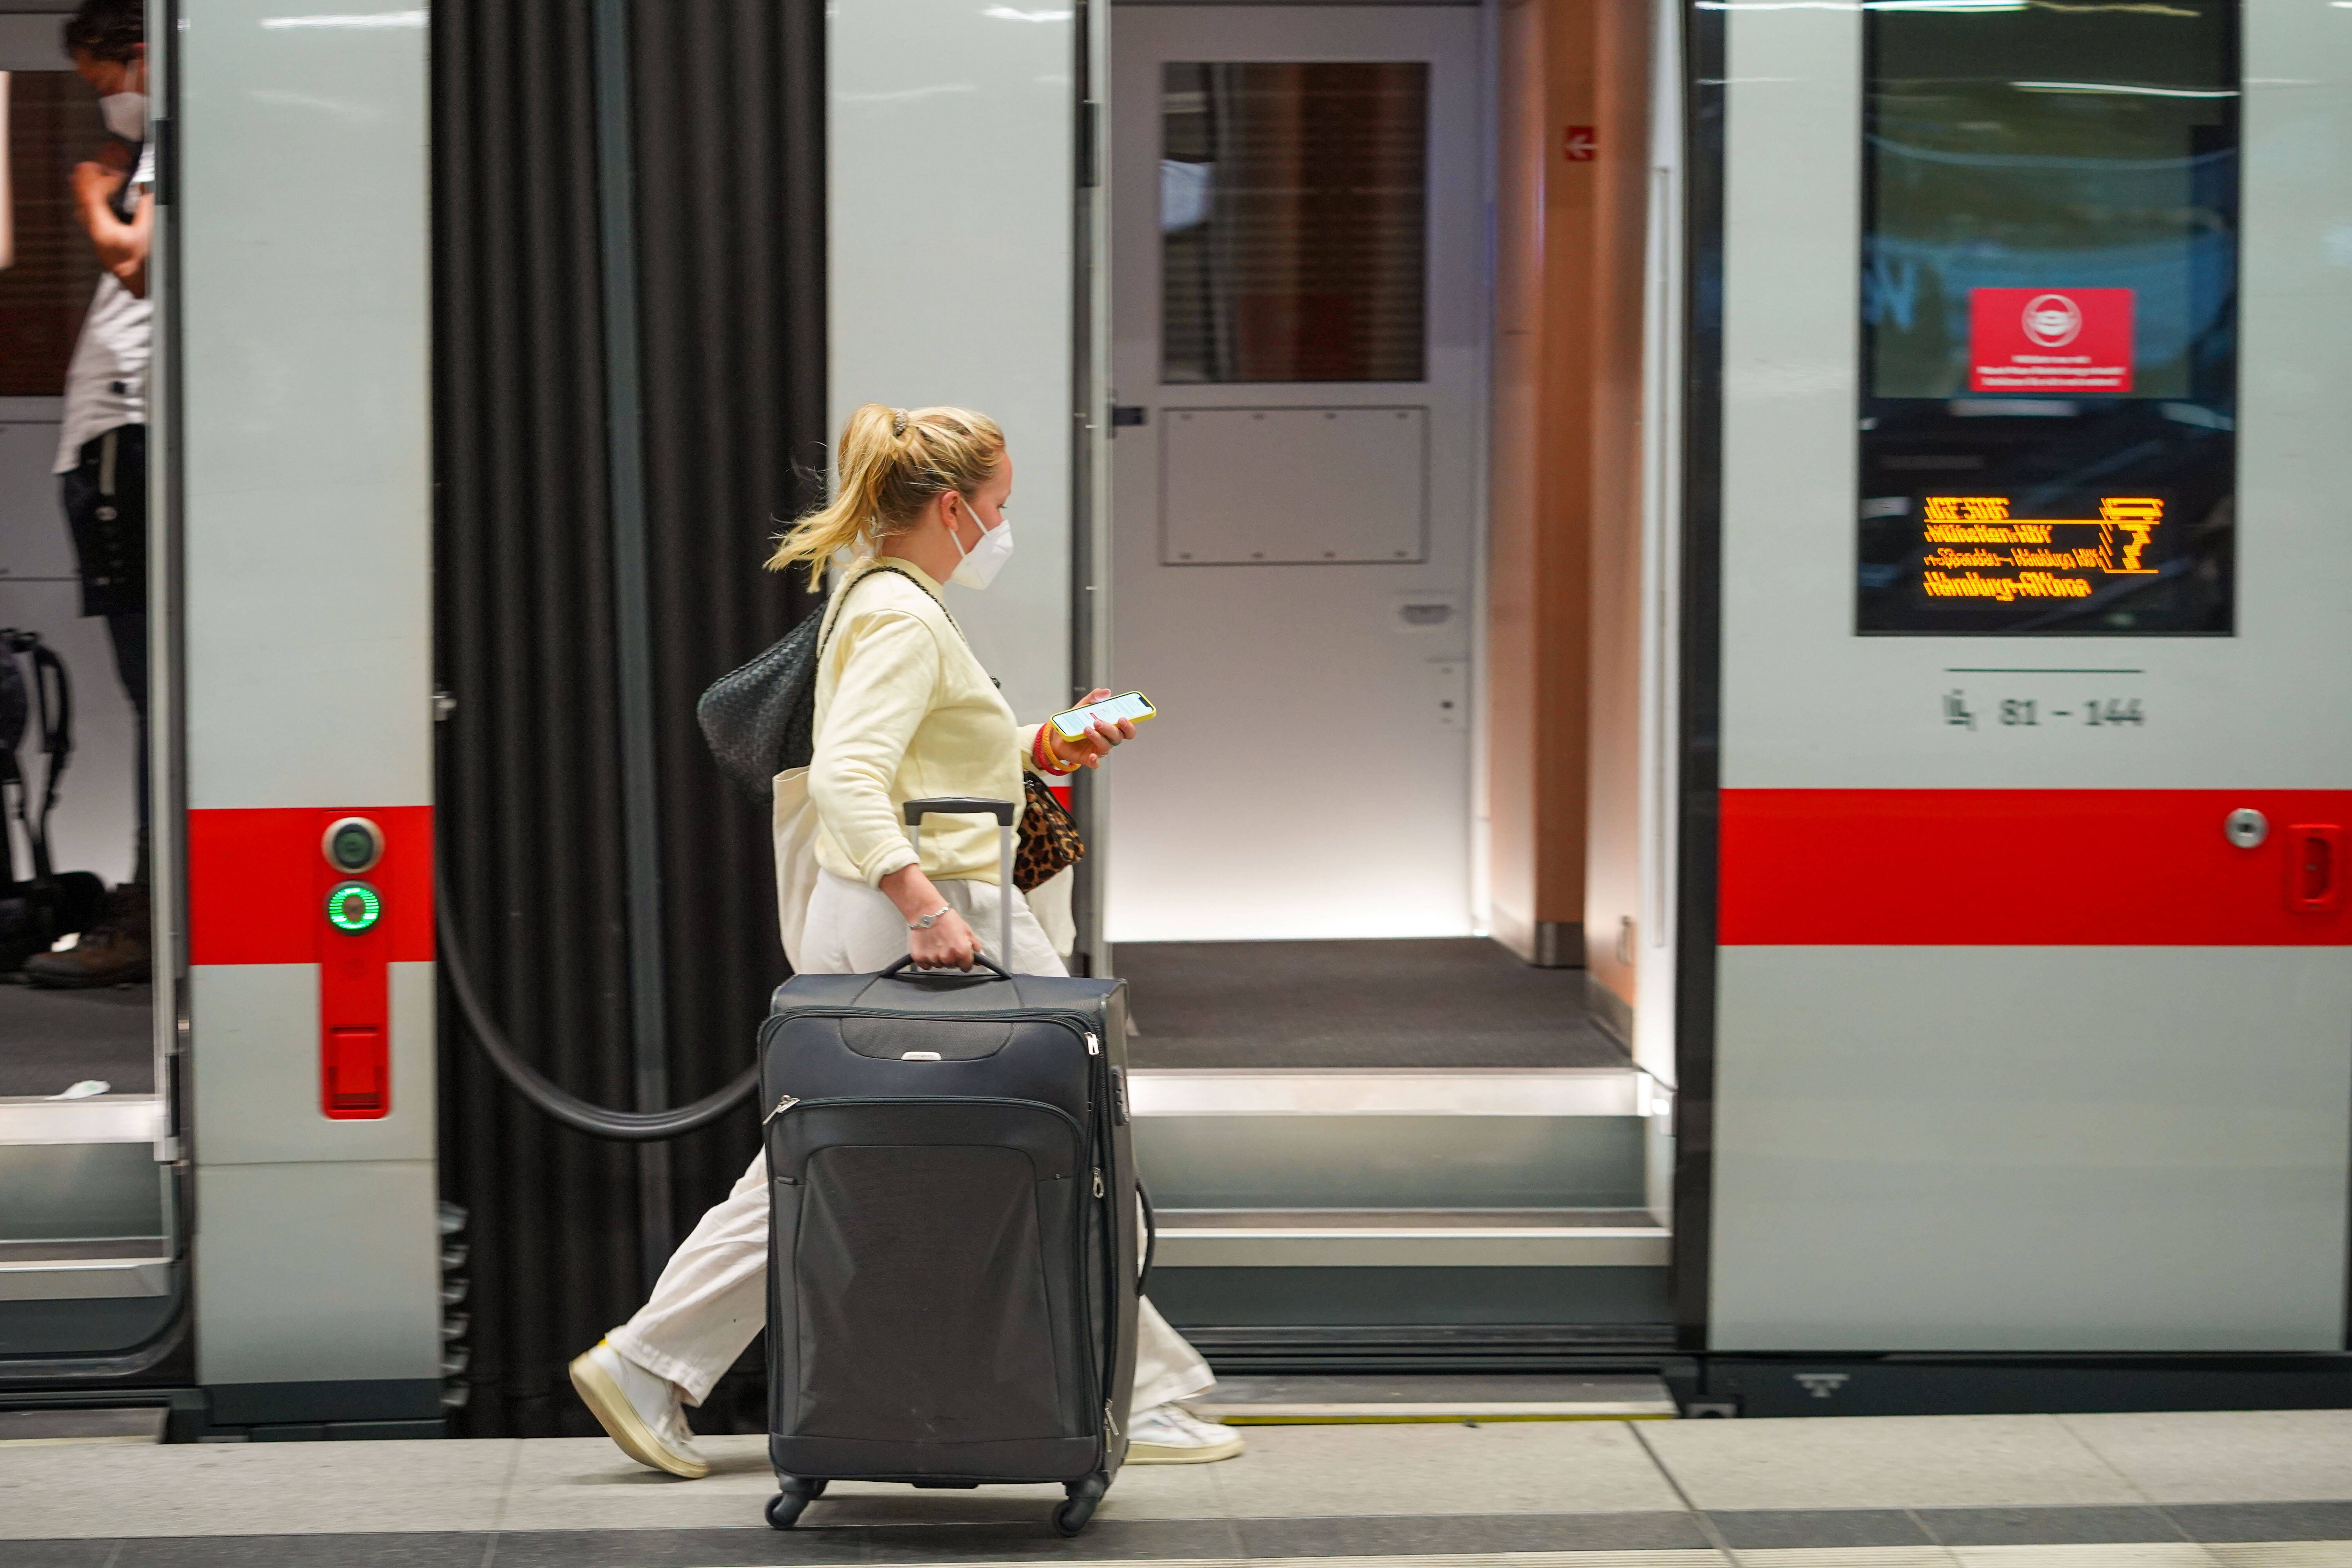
300	461
2015	1048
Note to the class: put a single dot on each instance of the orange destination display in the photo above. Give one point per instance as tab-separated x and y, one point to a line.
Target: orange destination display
1975	550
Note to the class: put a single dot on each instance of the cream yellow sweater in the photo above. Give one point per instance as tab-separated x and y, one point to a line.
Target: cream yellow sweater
904	711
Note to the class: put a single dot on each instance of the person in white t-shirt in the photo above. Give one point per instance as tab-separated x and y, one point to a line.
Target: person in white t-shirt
103	448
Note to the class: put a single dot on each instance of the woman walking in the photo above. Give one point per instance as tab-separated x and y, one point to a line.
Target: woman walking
903	712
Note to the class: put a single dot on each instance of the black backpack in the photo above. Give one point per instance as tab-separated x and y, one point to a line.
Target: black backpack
37	910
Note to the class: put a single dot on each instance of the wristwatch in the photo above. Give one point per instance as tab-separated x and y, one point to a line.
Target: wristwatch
928	921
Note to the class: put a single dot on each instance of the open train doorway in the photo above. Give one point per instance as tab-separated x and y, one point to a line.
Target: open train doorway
89	1245
1376	1135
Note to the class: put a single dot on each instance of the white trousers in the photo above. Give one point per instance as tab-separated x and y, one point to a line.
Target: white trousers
712	1298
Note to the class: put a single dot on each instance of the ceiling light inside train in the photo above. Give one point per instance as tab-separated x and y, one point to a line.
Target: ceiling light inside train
363	19
2124	88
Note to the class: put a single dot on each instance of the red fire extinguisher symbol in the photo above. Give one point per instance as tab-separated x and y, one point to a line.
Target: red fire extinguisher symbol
1578	145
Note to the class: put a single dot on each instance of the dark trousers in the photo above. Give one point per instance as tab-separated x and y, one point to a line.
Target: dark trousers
105	496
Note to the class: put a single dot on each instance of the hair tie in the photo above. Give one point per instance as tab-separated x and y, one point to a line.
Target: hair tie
898	422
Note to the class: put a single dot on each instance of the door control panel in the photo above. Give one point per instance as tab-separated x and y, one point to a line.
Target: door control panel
354	975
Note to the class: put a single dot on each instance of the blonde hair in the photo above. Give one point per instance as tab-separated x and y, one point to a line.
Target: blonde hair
893	463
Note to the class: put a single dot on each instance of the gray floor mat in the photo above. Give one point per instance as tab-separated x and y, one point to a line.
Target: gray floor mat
1437	1003
50	1040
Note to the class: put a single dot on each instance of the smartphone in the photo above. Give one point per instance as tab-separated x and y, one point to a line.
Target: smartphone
1075	725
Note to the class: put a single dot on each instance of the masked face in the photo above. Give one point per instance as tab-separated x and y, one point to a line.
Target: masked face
981	563
122	88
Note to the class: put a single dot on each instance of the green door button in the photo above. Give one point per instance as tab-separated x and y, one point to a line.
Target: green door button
353	906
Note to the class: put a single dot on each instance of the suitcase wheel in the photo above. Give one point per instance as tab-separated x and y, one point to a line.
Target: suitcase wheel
784	1508
1072	1516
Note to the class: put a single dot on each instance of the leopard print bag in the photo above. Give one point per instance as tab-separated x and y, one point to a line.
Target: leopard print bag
1048	840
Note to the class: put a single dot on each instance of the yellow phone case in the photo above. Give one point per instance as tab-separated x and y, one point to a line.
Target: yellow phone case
1085	724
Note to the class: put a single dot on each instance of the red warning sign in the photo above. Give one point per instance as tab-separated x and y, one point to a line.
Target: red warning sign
2049	340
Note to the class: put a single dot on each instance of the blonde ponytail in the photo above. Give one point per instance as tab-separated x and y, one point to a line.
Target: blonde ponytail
893	462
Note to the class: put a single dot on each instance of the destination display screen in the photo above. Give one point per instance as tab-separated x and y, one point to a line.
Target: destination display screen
2048	427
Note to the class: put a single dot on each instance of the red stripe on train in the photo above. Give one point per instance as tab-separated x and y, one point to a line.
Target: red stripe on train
257	881
2030	868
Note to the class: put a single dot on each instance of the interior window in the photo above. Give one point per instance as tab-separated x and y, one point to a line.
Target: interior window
1292	218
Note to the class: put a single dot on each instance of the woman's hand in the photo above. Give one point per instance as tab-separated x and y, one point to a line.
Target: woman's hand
948	942
1089	749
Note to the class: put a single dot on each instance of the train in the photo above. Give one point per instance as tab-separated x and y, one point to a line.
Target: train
1740	593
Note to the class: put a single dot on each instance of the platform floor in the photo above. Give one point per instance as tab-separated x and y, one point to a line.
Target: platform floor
2270	1489
1436	1003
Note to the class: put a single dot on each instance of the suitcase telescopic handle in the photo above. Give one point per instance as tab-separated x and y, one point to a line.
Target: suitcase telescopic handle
977	805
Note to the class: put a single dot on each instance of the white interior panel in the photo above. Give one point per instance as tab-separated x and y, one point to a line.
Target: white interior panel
1320	714
950	181
34	540
1295	486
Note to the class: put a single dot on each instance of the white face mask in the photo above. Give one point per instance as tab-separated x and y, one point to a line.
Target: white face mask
981	563
125	114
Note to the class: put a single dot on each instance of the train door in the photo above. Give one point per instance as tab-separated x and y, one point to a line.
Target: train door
1297	323
2033	1018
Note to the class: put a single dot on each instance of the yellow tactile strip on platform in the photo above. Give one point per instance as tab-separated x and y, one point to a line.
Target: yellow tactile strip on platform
2147	1554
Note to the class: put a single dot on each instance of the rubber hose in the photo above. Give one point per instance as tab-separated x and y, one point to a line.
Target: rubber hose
620	1126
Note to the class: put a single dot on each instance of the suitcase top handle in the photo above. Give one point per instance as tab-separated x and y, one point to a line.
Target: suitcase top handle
900	970
973	805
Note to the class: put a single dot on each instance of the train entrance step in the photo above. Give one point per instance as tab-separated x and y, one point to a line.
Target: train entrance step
1372	1238
1315	1401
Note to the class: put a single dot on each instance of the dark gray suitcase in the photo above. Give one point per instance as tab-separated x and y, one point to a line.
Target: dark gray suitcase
953	1256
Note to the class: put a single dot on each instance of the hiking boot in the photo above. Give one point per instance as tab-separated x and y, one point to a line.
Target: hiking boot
112	952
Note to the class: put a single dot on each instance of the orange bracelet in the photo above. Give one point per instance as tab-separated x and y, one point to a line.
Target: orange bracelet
1049	762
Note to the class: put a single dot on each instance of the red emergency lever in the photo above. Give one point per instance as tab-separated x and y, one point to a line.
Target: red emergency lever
2314	851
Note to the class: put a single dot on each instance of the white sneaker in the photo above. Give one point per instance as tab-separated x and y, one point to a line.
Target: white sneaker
1172	1434
640	1410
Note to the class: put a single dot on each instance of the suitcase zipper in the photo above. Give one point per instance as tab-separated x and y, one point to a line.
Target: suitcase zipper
1098	1186
788	1103
1094	1047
